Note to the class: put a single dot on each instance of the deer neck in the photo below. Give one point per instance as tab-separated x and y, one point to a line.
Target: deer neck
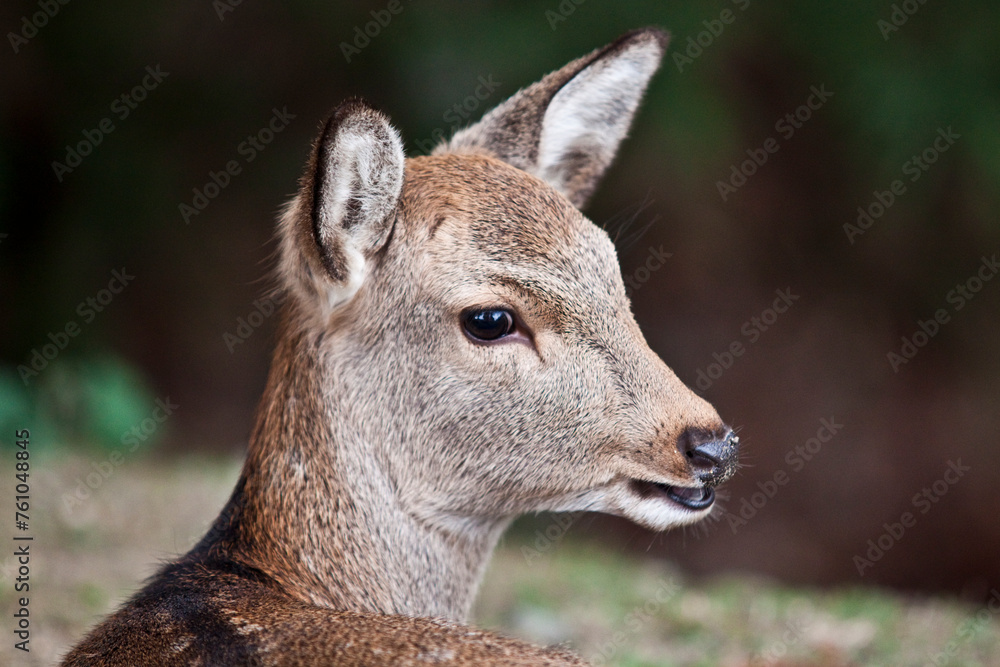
316	509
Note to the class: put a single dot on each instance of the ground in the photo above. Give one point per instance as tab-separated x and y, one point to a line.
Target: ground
100	526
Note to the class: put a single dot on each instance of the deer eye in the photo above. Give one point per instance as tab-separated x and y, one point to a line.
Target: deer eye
488	324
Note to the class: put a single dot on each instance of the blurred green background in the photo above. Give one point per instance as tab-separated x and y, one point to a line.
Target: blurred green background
189	326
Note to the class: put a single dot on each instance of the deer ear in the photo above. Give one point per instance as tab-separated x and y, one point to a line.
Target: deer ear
567	127
347	203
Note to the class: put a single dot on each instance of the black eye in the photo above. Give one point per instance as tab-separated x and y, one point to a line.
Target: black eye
488	324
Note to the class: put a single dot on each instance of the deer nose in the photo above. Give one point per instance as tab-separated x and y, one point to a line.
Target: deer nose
712	458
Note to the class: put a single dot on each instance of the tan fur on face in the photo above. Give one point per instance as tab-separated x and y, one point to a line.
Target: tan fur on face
484	233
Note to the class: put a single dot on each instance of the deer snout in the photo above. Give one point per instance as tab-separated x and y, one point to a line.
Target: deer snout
712	458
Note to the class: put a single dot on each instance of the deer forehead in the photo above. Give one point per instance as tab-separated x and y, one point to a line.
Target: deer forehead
487	227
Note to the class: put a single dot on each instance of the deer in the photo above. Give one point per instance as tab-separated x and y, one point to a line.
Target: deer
455	349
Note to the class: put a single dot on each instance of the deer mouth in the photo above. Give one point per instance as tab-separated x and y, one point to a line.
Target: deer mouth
693	498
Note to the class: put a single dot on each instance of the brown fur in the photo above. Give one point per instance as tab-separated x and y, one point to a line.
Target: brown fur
390	449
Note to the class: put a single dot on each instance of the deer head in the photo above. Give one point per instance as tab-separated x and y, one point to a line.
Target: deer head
458	347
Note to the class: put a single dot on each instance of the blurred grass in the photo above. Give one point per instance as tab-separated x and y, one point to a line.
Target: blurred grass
88	556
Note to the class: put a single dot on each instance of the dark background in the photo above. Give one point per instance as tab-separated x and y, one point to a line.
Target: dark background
825	358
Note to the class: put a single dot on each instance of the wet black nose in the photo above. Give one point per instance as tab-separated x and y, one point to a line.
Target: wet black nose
712	458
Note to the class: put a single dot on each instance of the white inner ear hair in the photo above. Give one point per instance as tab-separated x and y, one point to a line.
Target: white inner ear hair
348	175
592	112
352	173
